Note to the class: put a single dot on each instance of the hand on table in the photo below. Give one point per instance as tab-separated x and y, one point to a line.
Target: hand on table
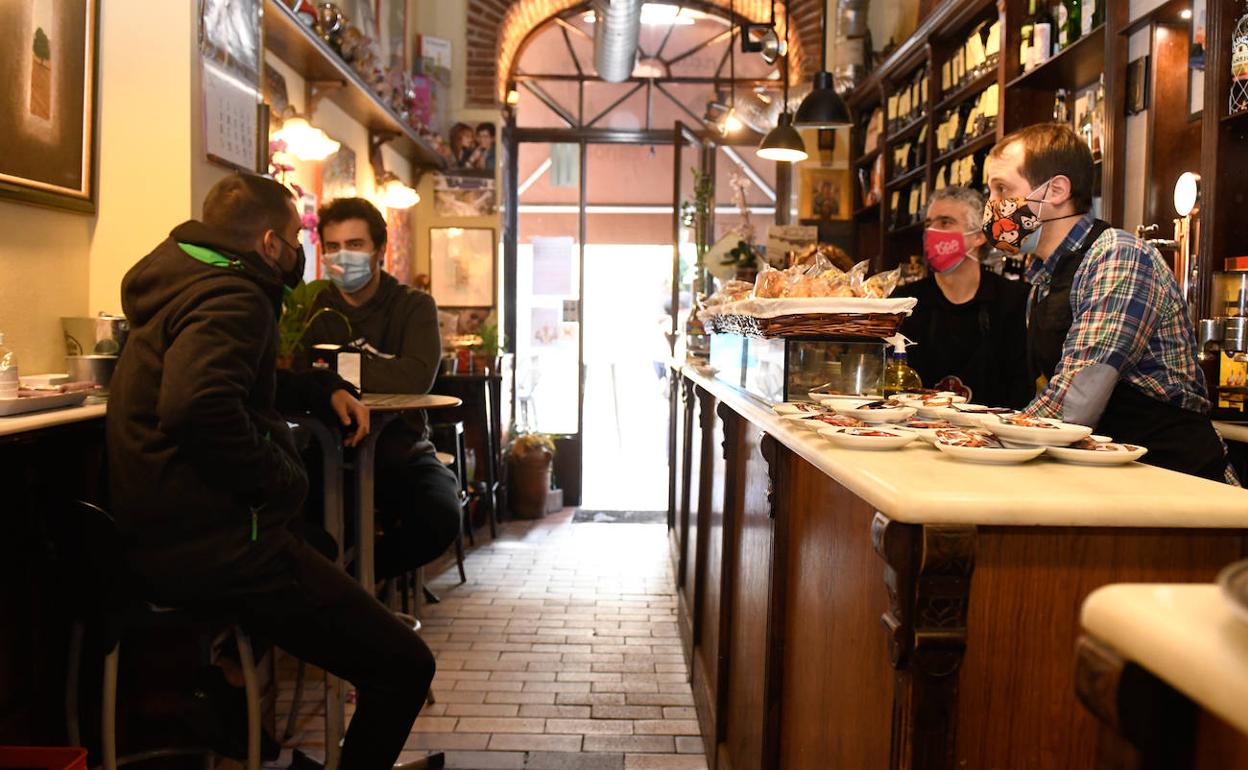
349	409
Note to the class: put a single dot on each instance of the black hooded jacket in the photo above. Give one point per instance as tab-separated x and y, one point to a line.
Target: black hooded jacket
201	462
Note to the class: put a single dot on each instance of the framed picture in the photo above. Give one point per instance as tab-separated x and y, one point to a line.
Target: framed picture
47	103
461	266
1137	85
824	194
464	196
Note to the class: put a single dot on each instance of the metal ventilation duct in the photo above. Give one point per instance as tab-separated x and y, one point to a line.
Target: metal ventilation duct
617	24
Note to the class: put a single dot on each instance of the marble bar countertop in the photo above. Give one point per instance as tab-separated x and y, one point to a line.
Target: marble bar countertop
1232	431
25	423
1186	635
918	484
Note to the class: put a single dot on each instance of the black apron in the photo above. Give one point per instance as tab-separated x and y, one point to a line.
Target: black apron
1177	438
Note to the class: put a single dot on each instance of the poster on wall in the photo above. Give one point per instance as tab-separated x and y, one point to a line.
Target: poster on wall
338	174
399	245
823	194
464	196
47	103
231	67
461	266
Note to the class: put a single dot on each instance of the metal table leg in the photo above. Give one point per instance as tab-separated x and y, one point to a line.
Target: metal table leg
365	474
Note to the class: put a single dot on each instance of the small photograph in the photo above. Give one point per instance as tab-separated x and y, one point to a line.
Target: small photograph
464	196
473	147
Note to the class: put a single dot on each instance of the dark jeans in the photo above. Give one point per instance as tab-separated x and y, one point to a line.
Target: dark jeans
297	599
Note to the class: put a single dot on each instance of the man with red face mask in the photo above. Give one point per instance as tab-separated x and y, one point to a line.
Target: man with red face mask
969	324
1106	322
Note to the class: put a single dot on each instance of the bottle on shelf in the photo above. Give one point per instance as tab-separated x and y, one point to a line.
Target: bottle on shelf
1026	34
697	341
1239	64
1041	36
1098	119
1069	21
1091	16
8	371
1061	113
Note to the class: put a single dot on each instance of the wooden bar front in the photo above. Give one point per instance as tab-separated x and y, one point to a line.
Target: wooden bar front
822	634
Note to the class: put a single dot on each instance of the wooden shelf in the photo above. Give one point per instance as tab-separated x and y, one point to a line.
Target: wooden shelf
867	158
967	148
870	209
912	175
1240	117
297	45
910	229
967	90
904	133
1076	66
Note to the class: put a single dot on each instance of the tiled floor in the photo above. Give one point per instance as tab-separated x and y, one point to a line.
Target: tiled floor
560	653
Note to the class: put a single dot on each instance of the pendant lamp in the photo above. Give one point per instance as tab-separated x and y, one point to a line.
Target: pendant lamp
823	107
783	143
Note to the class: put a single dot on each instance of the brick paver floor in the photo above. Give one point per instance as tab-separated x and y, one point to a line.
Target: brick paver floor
559	653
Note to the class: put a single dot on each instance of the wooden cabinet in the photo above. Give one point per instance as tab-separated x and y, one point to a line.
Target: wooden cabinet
824	634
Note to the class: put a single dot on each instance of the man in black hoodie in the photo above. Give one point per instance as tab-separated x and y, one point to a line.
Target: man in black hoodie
205	476
397	327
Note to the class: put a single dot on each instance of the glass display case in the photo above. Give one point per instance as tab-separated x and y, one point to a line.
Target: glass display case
778	370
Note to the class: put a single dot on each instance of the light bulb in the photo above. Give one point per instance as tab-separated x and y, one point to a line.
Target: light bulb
305	141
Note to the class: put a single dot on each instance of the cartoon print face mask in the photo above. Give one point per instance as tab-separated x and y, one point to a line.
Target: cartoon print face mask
1011	225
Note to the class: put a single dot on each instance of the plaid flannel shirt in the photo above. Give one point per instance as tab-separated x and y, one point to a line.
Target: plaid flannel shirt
1128	314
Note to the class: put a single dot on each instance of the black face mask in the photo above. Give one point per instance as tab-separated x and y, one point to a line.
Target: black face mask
293	277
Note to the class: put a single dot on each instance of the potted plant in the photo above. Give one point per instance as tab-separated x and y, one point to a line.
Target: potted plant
486	360
530	458
298	312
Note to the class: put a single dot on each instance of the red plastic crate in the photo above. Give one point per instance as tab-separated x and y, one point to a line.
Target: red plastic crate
28	758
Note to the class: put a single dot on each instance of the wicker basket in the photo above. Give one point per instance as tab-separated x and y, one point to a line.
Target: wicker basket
808	325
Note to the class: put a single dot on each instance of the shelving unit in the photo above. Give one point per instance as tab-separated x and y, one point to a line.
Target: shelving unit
1023	99
297	45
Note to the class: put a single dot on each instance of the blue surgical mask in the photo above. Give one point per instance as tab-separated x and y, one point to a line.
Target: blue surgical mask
356	266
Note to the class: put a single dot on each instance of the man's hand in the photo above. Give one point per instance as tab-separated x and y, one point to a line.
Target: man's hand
349	409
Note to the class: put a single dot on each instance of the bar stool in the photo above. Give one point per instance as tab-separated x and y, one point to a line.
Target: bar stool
98	551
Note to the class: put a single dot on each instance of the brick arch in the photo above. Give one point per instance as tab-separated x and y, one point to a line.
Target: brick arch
497	30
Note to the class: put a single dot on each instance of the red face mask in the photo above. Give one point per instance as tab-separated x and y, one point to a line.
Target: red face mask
944	249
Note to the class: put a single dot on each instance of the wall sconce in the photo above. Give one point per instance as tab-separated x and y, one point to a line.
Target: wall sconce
305	141
395	194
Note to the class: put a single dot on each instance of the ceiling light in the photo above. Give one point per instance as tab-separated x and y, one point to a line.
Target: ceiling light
783	143
305	141
513	97
730	123
1185	14
395	194
823	107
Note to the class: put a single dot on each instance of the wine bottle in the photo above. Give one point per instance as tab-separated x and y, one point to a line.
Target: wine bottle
1090	14
1042	38
1061	114
1027	31
1239	64
1069	22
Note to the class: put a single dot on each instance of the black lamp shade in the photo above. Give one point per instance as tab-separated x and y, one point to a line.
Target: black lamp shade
783	143
823	107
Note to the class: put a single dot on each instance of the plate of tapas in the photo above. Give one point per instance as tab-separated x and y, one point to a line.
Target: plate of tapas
883	410
824	420
980	446
871	438
925	428
1035	431
1088	451
799	407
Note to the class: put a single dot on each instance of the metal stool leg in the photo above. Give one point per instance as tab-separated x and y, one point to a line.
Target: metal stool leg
252	687
108	710
297	701
73	672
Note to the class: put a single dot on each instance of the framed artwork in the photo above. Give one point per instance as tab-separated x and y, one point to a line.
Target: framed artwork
461	266
824	194
473	148
464	196
47	103
399	245
338	175
1137	85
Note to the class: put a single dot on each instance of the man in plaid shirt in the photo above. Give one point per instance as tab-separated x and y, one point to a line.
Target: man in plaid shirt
1107	325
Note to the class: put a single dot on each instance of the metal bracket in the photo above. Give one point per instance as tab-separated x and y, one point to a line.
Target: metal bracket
315	90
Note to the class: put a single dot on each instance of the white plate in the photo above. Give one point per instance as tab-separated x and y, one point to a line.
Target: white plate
895	414
1128	453
1061	434
799	407
811	421
846	437
990	456
841	402
926	434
